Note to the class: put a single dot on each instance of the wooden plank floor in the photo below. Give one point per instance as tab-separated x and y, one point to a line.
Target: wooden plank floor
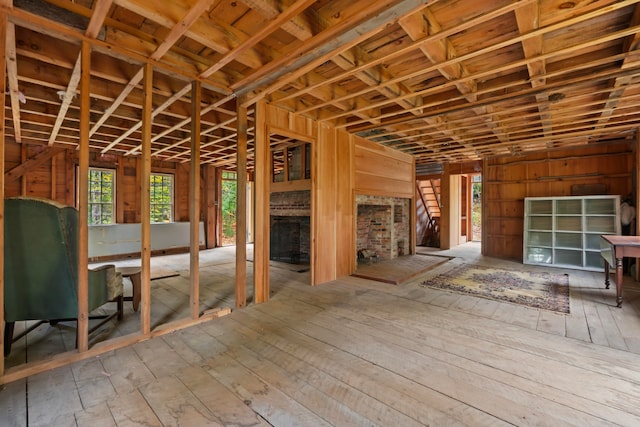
355	352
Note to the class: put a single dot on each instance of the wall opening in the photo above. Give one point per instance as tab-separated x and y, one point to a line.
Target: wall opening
382	228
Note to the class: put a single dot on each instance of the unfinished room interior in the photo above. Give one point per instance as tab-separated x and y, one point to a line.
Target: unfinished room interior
310	213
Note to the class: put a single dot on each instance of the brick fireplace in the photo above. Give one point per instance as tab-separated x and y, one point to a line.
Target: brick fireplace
383	226
290	226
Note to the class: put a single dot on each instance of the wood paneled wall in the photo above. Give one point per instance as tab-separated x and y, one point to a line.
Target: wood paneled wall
343	165
508	180
382	171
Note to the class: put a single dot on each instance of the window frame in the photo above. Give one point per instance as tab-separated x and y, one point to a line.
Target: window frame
171	195
91	203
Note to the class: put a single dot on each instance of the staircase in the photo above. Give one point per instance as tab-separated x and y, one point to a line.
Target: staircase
428	212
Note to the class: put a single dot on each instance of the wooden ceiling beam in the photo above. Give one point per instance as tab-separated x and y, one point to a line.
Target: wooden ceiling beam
321	47
299	26
521	93
398	53
100	12
176	32
514	65
154	113
421	25
184	122
212	33
488	50
630	47
519	124
578	133
527	18
11	60
288	14
270	11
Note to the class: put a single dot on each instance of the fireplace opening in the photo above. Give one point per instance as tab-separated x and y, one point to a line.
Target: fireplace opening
290	239
383	226
374	231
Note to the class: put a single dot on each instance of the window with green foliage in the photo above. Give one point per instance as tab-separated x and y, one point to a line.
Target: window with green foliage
161	191
229	191
101	196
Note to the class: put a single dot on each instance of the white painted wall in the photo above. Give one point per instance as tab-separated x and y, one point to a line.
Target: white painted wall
120	239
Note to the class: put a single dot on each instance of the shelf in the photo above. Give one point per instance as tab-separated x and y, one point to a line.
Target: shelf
540	238
565	231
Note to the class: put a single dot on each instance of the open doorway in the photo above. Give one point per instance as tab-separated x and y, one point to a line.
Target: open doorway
476	208
229	191
290	203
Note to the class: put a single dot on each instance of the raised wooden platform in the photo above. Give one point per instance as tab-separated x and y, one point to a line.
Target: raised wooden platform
399	270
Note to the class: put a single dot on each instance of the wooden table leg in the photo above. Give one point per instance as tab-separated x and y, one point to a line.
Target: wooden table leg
133	274
619	281
606	274
135	282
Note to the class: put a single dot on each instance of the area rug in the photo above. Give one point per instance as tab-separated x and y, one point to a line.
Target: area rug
542	290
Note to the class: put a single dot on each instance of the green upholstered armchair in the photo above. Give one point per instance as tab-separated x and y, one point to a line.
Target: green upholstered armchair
41	266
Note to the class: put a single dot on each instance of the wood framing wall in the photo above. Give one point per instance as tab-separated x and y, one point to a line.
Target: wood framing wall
562	172
49	172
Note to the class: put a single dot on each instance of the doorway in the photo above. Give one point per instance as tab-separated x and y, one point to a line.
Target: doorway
290	200
476	208
229	191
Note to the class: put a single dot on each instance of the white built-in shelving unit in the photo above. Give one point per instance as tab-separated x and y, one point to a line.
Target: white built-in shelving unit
565	231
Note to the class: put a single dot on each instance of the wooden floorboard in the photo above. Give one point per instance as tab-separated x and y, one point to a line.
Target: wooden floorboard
347	353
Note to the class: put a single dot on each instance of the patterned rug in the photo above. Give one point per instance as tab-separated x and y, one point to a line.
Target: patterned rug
543	290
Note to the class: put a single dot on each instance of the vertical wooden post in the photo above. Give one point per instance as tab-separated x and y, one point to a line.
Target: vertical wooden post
241	206
119	183
210	208
218	197
23	179
83	200
69	176
194	200
469	204
3	91
145	200
412	213
445	208
262	195
54	168
636	189
483	209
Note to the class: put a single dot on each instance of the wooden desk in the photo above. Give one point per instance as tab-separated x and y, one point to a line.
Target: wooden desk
613	249
133	273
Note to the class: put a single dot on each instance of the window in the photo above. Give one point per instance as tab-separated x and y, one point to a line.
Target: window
101	196
161	189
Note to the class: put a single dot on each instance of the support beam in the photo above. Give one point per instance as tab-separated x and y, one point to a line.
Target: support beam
194	201
100	12
35	161
210	209
3	91
241	207
636	186
261	217
12	75
145	200
83	199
